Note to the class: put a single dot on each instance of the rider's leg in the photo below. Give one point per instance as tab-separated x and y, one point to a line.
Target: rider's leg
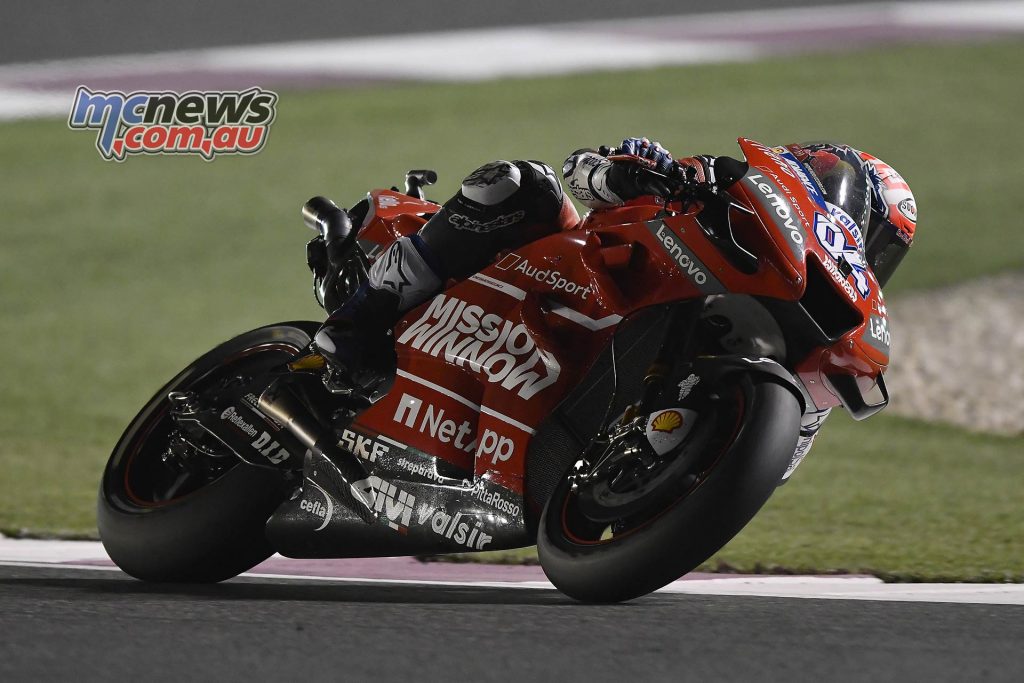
501	205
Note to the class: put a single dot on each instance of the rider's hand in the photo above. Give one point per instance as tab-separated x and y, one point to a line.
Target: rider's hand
629	180
652	151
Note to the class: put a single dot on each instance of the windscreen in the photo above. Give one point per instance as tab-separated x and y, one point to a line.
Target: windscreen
842	177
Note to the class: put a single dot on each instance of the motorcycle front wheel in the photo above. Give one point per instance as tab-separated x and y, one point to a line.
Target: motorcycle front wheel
198	518
744	441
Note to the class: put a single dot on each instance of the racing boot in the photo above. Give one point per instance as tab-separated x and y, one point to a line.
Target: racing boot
810	423
356	339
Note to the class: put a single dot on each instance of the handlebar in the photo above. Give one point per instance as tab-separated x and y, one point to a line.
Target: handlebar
323	216
416	180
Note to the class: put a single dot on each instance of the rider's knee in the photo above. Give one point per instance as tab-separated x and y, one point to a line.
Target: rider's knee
527	185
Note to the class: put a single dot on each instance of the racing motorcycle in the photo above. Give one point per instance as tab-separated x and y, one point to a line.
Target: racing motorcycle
625	394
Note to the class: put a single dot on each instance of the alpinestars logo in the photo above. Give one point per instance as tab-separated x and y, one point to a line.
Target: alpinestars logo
460	222
489	174
465	335
203	123
394	262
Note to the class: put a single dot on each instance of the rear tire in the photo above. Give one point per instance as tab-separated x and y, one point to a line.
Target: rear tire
692	528
215	531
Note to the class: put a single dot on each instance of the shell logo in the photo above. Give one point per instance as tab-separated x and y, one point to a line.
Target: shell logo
668	421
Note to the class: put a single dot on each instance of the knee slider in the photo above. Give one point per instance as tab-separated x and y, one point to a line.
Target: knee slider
492	183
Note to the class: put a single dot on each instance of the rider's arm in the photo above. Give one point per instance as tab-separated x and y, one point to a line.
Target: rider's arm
598	182
586	175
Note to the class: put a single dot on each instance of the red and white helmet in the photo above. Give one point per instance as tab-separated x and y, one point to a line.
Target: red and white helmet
893	217
870	194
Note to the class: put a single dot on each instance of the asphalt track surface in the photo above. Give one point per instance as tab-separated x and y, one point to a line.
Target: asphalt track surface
61	624
31	30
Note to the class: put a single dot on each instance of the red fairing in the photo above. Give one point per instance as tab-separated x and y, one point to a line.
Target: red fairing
481	365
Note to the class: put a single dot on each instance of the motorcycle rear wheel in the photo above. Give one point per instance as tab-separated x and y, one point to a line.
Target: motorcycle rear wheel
156	528
635	557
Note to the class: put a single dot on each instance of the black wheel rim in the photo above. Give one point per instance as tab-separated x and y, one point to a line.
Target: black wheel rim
140	480
718	428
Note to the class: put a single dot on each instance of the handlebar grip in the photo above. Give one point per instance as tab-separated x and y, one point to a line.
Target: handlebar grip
424	176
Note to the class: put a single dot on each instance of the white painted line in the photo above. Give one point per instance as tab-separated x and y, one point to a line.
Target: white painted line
305	577
803	587
42	88
23	103
38	550
854	588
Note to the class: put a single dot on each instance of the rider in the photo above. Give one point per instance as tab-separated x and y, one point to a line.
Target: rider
503	205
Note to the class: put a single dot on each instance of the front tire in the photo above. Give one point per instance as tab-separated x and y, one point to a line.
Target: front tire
209	530
676	538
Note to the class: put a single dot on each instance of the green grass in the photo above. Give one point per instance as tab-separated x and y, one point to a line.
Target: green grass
113	276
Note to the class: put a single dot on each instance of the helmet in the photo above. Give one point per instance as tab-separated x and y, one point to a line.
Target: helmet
893	218
868	196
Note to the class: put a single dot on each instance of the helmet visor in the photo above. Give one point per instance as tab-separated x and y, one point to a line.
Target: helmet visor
842	177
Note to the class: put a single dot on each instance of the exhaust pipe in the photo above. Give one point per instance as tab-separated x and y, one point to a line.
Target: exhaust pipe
343	469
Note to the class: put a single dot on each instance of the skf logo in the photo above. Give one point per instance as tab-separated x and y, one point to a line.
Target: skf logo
203	123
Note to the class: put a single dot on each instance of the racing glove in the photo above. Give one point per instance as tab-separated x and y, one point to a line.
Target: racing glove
599	182
652	151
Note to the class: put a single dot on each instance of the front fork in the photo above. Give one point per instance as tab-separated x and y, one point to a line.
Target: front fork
679	341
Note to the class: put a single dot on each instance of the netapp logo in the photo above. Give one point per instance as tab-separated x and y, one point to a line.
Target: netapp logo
434	423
